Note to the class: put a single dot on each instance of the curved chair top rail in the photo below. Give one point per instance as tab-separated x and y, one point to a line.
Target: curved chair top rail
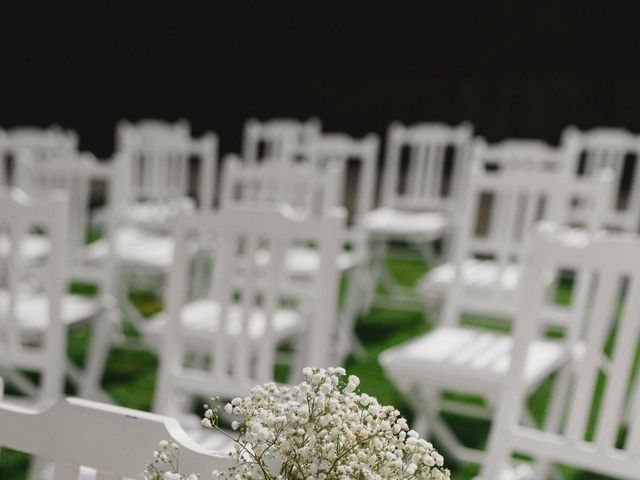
118	442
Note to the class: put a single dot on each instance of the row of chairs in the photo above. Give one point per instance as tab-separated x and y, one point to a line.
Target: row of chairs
602	328
502	191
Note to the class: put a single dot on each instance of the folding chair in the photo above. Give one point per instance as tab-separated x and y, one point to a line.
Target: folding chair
158	174
619	151
77	176
511	186
269	140
85	440
38	144
357	159
308	194
585	426
33	305
424	169
460	354
226	342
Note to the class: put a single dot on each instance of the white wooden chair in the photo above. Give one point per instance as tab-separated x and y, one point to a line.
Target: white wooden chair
158	177
510	188
225	342
87	440
586	426
76	176
467	356
308	193
32	298
41	144
424	170
269	140
358	159
619	151
271	185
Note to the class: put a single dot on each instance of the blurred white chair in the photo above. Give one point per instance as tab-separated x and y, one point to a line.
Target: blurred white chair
463	354
358	160
158	174
308	194
424	169
271	185
82	440
617	150
39	143
78	176
585	426
270	140
506	193
226	342
34	310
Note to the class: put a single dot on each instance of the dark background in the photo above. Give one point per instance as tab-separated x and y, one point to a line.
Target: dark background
512	68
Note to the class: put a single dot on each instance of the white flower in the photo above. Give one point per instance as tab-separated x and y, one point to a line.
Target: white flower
320	429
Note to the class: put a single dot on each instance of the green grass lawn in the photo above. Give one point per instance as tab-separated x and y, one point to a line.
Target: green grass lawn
130	375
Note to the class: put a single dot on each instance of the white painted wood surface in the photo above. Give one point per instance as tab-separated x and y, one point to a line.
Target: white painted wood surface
157	173
604	332
269	141
251	307
43	347
89	440
615	149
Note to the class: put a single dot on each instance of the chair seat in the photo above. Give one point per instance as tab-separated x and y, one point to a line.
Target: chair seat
137	247
389	223
467	359
200	320
33	247
477	275
32	311
306	261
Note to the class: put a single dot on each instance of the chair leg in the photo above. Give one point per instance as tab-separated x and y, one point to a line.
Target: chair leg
97	355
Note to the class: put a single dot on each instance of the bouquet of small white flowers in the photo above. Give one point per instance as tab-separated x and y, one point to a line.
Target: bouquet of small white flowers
321	429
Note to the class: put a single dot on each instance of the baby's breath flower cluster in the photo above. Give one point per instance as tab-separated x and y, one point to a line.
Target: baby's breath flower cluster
166	464
323	429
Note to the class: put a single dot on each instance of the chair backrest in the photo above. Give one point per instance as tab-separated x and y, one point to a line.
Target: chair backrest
269	140
117	442
159	157
77	175
39	143
254	299
586	426
500	210
22	347
271	185
424	165
619	151
357	157
502	207
522	154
